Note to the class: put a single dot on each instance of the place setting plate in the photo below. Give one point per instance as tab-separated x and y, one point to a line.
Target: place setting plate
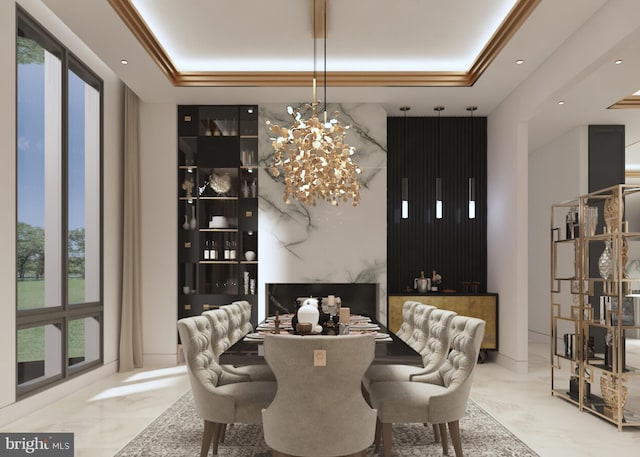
378	335
364	325
283	317
286	325
259	335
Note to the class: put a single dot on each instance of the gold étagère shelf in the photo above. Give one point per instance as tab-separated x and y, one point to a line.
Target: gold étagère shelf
594	304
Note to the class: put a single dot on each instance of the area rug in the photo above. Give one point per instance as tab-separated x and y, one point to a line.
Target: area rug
178	432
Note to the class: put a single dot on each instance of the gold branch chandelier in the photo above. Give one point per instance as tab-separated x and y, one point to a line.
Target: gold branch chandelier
312	155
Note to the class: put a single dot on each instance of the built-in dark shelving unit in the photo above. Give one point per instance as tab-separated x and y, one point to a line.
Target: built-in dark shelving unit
217	207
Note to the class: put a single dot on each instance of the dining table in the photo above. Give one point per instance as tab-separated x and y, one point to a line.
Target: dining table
389	348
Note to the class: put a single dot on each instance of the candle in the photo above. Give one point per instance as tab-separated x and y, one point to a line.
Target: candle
344	315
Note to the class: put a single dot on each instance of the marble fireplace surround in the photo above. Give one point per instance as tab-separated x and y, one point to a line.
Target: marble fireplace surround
360	298
325	243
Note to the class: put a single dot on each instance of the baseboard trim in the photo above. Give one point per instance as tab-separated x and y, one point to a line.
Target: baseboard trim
160	360
517	366
537	337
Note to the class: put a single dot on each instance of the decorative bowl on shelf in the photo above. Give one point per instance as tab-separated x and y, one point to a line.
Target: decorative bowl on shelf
613	393
250	255
221	184
218	222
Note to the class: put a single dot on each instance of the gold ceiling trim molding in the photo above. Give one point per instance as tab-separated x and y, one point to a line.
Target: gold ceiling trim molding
510	25
516	17
630	102
132	19
336	79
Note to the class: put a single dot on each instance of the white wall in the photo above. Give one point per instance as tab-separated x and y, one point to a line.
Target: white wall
507	231
158	187
326	243
112	208
557	172
507	163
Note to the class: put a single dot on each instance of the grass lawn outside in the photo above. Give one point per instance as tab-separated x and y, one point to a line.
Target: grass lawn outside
31	292
31	341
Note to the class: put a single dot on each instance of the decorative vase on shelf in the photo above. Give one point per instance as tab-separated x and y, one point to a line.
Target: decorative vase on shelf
194	222
185	225
605	262
614	394
613	208
422	284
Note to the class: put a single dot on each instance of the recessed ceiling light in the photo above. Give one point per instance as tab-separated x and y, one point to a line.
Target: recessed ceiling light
618	62
519	62
250	110
124	61
561	102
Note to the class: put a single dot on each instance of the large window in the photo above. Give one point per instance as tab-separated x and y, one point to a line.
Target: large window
59	211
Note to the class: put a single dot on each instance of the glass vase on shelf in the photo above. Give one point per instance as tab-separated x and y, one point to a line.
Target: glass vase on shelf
605	262
591	219
245	189
573	226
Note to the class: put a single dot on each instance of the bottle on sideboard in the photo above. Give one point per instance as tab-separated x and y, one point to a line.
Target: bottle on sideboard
213	252
232	250
227	251
206	250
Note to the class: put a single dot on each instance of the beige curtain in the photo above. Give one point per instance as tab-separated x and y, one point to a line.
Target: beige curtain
131	306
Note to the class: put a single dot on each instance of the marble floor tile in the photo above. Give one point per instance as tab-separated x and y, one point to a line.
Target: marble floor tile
106	415
549	425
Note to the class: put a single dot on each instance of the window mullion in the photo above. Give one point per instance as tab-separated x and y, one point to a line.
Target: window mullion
65	209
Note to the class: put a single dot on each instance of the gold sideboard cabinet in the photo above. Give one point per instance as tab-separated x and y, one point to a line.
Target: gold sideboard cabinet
482	305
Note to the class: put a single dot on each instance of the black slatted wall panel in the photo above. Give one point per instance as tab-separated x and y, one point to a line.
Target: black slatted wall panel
420	149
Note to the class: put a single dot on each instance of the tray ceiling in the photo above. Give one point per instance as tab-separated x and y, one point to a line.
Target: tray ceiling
420	43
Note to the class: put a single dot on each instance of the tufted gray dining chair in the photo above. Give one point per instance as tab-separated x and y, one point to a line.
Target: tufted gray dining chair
239	320
220	397
406	328
418	337
319	410
435	334
219	320
220	342
432	334
440	397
